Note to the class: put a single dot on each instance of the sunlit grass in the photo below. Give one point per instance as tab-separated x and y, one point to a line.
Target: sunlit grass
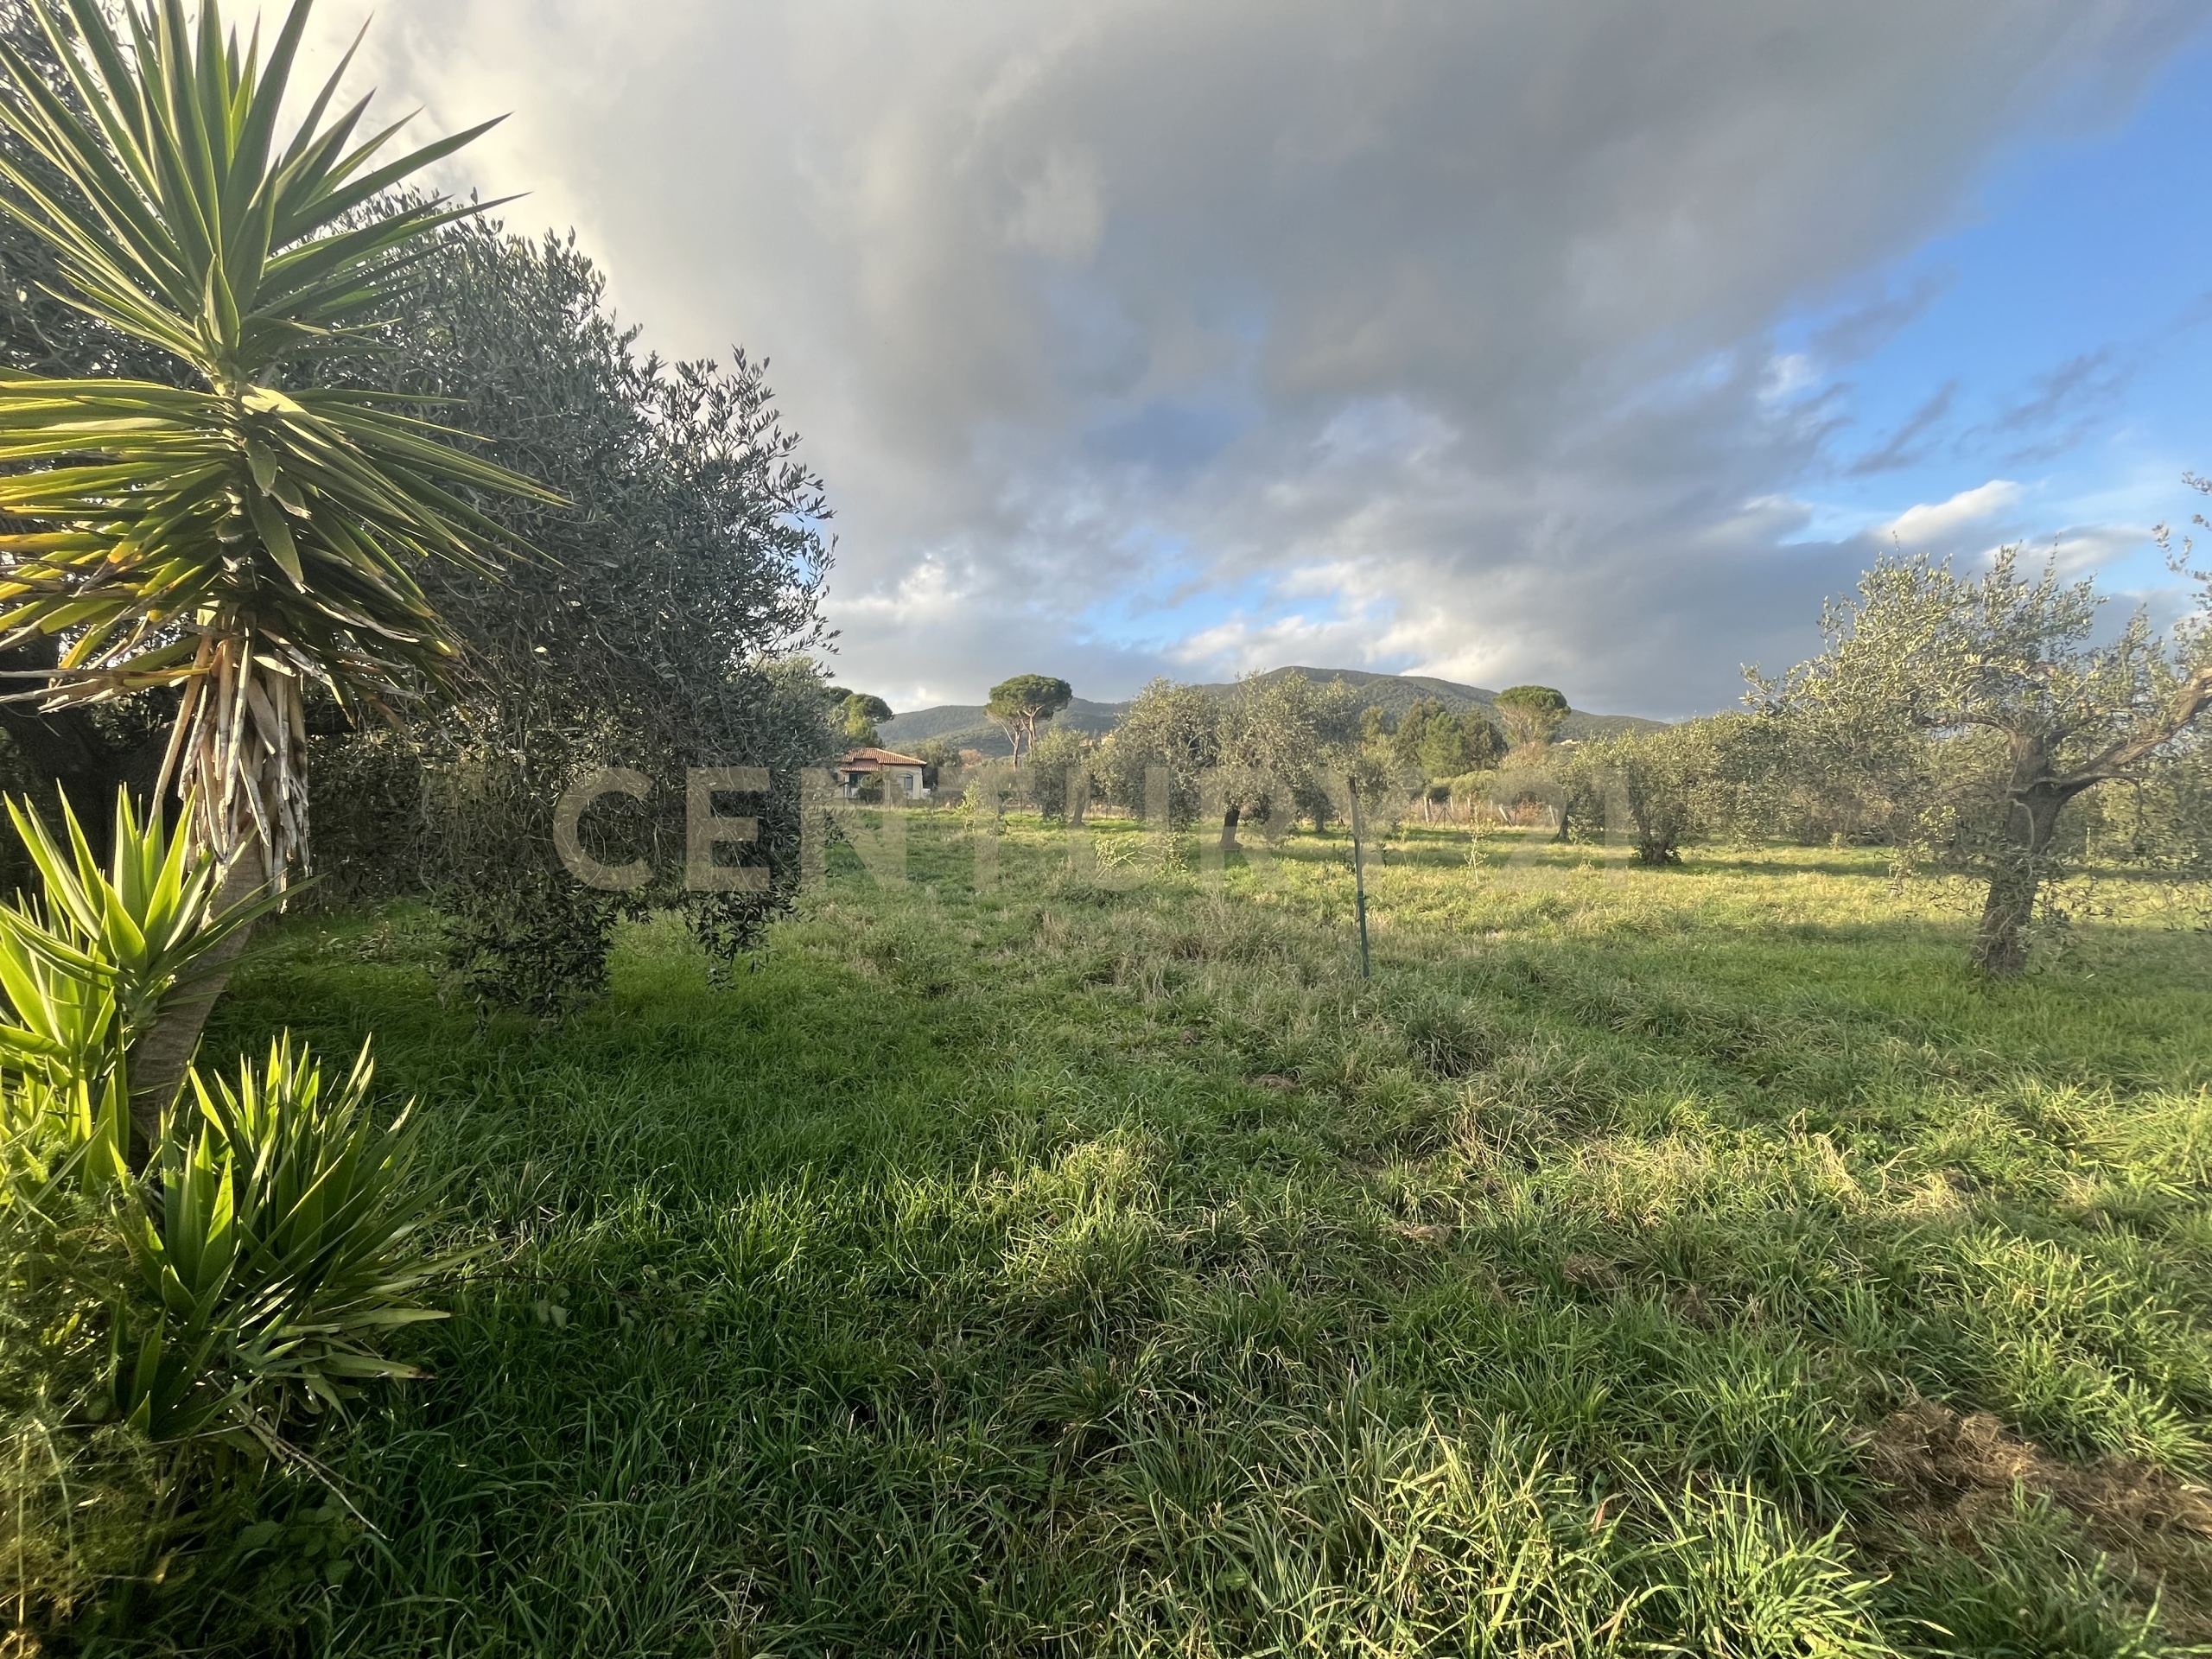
1083	1271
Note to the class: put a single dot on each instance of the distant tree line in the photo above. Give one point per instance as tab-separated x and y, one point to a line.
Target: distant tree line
1978	725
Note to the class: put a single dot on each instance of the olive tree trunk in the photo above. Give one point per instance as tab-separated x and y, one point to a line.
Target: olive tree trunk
2000	946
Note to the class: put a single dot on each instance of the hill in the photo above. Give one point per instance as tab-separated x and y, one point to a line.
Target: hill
964	725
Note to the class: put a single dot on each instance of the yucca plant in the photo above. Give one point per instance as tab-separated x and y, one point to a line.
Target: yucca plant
283	1250
64	1093
74	1130
242	537
89	968
273	1234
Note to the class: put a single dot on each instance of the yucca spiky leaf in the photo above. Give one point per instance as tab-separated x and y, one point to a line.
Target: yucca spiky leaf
285	521
144	928
286	1249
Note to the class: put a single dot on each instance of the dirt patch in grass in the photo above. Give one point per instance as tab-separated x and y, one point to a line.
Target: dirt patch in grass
1584	1271
1956	1476
1435	1232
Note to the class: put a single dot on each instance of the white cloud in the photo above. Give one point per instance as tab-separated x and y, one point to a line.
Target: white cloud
2085	549
1938	522
1789	374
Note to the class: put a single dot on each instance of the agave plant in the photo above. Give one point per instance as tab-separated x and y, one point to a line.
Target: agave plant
245	536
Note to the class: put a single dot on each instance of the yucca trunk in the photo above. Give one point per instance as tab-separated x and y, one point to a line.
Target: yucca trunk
238	754
159	1060
239	750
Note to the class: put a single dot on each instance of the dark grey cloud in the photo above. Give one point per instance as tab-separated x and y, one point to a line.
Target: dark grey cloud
2062	406
1137	334
1865	329
1915	436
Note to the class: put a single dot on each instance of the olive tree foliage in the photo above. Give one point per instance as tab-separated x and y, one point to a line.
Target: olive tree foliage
2159	824
1986	706
1838	784
1174	729
1662	791
1288	750
1060	774
1279	747
660	630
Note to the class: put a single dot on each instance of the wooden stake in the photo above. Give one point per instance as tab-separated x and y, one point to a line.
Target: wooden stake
1359	881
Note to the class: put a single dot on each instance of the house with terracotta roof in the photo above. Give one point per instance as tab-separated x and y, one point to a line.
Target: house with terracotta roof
910	776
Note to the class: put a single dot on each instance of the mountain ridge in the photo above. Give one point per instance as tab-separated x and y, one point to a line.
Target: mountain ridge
964	725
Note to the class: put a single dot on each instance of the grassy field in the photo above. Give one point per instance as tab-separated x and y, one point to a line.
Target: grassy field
1692	1260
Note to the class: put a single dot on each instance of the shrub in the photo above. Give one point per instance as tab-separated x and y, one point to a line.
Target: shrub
84	1501
89	966
170	1319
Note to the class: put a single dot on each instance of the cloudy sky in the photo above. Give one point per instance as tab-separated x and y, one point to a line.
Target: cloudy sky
1588	344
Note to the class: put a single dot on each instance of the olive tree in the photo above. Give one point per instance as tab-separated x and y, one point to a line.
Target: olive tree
1059	774
1289	747
1174	728
1665	789
668	627
1991	704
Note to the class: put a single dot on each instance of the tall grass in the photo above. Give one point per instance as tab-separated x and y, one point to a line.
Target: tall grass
1071	1271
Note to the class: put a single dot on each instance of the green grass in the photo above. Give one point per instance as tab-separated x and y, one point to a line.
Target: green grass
1067	1271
